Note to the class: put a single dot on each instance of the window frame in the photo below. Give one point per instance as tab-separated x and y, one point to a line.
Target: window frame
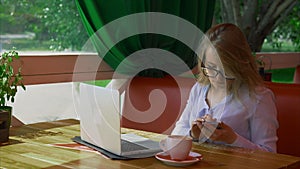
59	67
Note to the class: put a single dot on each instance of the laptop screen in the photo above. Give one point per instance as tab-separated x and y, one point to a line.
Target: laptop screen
99	110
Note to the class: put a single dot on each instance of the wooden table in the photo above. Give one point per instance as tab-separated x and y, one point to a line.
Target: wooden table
30	147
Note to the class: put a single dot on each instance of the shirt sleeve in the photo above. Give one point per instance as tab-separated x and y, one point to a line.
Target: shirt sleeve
183	125
263	125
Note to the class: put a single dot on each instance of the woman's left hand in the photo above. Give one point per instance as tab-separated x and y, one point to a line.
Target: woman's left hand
220	132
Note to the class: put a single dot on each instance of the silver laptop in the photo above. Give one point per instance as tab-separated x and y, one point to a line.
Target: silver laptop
100	115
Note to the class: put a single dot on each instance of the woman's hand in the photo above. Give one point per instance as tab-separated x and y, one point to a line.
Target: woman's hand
198	124
219	132
196	128
215	131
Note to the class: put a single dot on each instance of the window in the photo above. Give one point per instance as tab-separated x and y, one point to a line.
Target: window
39	25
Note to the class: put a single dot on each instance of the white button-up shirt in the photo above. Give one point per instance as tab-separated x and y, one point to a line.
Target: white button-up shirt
253	119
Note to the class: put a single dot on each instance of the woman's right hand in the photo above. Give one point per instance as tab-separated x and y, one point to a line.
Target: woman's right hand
196	128
198	124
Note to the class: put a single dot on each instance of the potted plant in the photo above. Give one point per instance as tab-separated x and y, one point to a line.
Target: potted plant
10	79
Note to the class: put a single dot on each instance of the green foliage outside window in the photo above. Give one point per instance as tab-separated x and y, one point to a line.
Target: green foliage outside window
55	25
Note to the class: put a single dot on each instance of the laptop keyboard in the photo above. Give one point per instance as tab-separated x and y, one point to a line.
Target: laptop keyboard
127	146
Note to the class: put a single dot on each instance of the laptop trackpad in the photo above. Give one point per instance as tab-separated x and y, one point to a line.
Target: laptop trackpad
141	141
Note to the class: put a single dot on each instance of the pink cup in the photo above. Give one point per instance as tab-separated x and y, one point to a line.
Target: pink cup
178	147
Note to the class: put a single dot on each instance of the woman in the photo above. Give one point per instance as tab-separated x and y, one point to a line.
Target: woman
229	104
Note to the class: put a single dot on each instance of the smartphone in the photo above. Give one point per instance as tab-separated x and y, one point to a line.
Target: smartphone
214	123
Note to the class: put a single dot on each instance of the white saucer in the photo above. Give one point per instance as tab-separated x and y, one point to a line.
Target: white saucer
191	159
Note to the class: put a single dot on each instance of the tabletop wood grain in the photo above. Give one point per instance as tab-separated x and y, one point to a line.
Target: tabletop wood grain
31	146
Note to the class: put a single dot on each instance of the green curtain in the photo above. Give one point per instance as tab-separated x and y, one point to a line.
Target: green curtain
122	34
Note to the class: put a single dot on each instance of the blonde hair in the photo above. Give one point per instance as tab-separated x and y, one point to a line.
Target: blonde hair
235	55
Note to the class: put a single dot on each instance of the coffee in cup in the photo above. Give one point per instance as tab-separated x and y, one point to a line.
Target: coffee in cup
178	147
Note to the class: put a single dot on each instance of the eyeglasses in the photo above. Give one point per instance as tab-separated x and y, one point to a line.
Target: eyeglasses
211	72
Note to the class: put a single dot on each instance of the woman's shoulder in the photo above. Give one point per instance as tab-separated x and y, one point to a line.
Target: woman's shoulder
260	93
197	87
262	96
198	90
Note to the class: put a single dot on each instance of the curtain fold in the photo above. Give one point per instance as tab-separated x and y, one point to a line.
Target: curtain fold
122	31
